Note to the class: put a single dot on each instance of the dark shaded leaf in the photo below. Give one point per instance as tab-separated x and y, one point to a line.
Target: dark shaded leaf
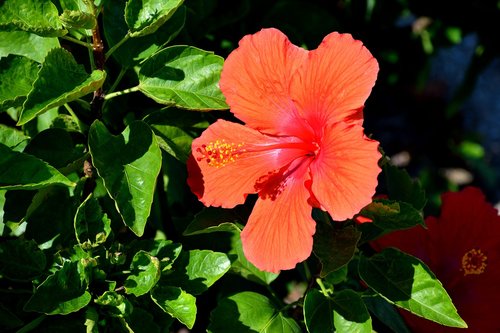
402	187
21	259
92	226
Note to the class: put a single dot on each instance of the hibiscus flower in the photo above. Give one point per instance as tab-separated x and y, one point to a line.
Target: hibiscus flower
302	144
462	247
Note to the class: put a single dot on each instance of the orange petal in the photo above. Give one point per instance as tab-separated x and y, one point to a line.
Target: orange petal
345	171
256	77
335	82
228	161
279	232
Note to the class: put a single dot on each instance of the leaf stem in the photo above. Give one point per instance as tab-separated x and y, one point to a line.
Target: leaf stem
122	92
123	70
77	41
325	291
117	45
81	126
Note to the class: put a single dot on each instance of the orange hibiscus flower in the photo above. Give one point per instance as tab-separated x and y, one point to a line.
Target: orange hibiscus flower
462	247
302	144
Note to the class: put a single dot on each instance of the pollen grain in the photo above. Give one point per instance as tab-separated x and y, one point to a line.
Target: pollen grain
219	153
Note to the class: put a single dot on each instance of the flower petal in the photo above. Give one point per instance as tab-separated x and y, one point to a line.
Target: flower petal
345	171
228	161
255	80
335	82
279	232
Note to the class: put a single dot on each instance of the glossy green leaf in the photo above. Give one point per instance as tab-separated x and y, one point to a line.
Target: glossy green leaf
21	259
343	312
350	313
175	130
17	75
195	271
129	164
60	80
185	77
407	282
62	292
318	313
137	49
402	187
392	215
75	19
92	225
26	172
13	138
249	312
145	274
144	17
36	16
213	220
165	250
386	313
334	247
177	303
26	44
115	303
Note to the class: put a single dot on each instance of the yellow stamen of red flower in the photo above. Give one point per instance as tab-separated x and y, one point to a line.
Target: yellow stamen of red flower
474	262
219	153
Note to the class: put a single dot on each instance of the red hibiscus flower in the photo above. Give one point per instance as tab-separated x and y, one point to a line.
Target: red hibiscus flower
302	144
462	247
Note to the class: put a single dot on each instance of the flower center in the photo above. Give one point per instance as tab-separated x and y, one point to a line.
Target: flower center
474	262
219	152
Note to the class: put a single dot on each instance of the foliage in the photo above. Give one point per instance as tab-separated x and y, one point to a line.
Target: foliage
99	103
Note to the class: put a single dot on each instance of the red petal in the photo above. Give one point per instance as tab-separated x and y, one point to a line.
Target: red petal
256	77
225	180
345	171
279	232
336	80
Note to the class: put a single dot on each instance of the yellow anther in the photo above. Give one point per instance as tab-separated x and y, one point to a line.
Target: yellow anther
219	153
474	262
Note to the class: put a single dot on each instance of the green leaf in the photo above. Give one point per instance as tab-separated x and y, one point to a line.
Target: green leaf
129	164
145	274
177	303
318	313
165	250
195	271
344	311
61	293
13	138
249	312
175	130
141	321
213	220
402	187
144	17
75	19
60	80
137	49
17	75
408	283
8	320
21	259
392	215
183	76
36	16
92	226
386	313
26	44
334	247
116	304
26	172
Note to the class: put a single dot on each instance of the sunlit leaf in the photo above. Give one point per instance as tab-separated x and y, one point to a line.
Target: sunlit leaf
407	282
26	172
13	138
129	164
177	303
21	259
62	292
145	274
26	44
250	312
39	17
144	17
60	80
183	76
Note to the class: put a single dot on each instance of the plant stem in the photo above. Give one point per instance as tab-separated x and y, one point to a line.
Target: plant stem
122	92
123	70
325	291
116	46
81	126
77	41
